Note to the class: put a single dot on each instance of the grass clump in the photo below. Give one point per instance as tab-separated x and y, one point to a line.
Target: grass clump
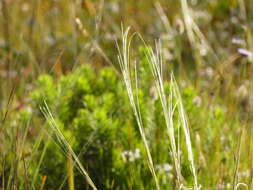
95	129
91	109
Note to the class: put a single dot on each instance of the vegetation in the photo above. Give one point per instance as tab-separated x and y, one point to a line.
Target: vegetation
87	103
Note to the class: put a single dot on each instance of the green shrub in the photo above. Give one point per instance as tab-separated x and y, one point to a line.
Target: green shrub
93	112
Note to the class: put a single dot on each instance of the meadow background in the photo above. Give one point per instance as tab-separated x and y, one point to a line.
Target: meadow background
71	120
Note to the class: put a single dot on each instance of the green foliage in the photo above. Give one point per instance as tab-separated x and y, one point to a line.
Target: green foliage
92	110
46	90
90	105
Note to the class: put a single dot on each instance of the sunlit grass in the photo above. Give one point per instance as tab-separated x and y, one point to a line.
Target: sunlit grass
204	54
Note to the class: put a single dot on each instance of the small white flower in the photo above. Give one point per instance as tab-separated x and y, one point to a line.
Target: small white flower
137	153
130	156
165	170
167	167
238	41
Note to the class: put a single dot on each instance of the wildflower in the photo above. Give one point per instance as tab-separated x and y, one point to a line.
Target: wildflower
165	170
137	153
130	156
245	52
238	41
167	167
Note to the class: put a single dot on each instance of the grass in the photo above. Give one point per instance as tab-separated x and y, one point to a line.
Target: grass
186	101
125	66
66	148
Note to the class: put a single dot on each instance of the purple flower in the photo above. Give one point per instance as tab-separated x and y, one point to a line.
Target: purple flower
245	52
